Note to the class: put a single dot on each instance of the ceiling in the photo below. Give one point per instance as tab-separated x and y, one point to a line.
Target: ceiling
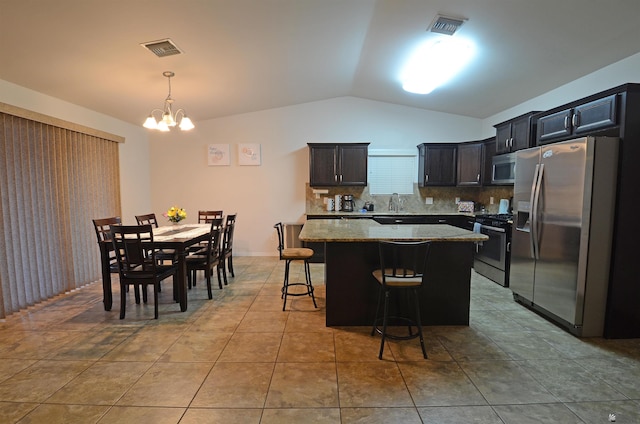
249	55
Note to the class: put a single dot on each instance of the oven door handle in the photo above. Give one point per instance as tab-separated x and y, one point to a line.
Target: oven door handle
490	228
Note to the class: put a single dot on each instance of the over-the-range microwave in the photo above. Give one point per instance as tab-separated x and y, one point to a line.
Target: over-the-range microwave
503	169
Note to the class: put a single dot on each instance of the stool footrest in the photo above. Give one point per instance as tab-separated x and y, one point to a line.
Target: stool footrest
406	322
306	293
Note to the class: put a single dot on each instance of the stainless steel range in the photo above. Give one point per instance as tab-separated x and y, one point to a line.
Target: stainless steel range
493	257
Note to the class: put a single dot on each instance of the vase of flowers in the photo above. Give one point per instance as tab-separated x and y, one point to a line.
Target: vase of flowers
176	214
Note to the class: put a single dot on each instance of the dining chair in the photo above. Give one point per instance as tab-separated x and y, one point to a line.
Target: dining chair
402	271
207	259
226	251
290	254
163	254
147	219
204	217
137	262
103	233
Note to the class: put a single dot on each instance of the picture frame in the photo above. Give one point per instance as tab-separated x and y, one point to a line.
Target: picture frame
218	155
249	154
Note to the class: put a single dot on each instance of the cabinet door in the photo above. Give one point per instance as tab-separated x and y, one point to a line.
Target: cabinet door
469	164
520	134
352	165
503	137
488	152
440	165
323	165
554	126
601	113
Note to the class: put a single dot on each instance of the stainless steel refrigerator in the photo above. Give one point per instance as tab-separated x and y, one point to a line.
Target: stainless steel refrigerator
563	206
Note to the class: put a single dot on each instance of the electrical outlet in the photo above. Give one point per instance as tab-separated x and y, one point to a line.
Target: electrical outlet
457	200
491	200
428	201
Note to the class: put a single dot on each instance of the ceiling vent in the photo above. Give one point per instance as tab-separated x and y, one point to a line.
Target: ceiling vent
162	48
446	25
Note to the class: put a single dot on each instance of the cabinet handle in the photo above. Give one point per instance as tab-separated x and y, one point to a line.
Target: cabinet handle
506	143
340	177
575	120
478	178
566	122
511	143
335	177
426	178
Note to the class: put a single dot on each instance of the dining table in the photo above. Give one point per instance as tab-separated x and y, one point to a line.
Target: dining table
177	237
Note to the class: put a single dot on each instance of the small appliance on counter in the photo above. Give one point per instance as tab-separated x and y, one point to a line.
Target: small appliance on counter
465	207
347	203
330	204
368	206
503	208
337	204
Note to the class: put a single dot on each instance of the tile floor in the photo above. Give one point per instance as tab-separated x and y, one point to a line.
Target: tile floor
238	358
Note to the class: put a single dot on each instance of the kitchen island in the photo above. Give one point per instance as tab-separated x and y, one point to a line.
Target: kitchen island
351	254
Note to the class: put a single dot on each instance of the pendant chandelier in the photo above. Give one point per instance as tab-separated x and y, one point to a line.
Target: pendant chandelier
166	119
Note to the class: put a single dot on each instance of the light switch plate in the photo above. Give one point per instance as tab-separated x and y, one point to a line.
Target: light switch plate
491	201
457	200
428	201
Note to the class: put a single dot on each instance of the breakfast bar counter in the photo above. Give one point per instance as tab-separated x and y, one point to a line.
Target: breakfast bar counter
351	255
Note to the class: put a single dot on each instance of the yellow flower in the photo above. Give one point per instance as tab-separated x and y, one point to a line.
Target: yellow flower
176	214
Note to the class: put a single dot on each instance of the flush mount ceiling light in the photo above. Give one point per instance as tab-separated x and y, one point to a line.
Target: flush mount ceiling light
434	63
437	60
166	118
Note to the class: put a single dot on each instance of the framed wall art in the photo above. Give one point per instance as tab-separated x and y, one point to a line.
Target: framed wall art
249	154
218	154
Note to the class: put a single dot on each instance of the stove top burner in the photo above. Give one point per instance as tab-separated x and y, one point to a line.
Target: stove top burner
499	216
502	220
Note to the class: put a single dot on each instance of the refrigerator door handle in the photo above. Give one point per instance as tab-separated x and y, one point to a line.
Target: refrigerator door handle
532	222
534	212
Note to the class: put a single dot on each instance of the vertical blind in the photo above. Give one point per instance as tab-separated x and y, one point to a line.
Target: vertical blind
53	182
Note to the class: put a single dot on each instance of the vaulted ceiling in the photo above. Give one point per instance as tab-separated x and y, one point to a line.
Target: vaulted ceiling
248	55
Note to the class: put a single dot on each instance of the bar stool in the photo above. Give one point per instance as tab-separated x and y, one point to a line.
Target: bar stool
294	254
402	269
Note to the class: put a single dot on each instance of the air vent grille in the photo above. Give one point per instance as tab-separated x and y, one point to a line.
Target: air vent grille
446	25
162	48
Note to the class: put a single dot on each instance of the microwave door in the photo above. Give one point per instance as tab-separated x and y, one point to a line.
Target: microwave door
503	169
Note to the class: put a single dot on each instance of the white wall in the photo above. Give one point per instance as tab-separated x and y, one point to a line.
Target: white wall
624	71
173	166
275	191
133	153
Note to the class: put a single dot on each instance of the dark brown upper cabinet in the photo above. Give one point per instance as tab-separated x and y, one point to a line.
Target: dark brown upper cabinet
470	164
437	164
515	134
338	164
579	120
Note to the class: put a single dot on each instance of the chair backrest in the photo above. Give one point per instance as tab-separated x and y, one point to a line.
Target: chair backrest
148	219
229	225
204	217
280	229
103	227
133	245
403	260
213	243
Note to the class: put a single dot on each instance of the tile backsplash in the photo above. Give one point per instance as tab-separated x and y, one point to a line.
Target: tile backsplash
443	198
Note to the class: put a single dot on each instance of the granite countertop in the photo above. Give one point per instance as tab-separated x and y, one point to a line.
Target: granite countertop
365	230
360	214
